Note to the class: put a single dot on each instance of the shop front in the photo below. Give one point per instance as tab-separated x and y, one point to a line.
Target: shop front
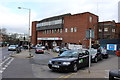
50	42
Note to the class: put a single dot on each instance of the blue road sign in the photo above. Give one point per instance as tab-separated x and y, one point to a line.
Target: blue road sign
111	47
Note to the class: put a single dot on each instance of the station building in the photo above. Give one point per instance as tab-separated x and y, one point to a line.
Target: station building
64	29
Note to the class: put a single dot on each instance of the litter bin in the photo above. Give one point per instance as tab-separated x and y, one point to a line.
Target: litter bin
118	53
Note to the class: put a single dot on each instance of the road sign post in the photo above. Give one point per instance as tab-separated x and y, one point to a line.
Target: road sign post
89	35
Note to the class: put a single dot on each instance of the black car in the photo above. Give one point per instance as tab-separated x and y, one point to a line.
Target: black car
69	60
114	75
95	55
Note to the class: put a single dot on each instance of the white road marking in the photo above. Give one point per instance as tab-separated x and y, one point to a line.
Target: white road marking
5	60
107	73
7	64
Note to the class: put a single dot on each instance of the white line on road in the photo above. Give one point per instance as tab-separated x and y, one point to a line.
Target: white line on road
5	60
1	71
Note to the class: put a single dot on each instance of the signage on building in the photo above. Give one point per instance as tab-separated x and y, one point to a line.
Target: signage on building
111	47
49	38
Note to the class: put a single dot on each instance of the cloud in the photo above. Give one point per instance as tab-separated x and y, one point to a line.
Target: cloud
17	20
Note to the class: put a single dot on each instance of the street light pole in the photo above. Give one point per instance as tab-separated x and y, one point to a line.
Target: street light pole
28	28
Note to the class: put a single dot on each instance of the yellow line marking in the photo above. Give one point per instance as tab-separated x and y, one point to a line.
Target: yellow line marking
68	75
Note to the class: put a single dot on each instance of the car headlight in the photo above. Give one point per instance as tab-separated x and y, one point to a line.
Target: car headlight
66	63
50	61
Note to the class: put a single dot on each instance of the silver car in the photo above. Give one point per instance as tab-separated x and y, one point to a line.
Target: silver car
12	48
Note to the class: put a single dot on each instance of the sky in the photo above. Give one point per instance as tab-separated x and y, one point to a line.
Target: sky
17	20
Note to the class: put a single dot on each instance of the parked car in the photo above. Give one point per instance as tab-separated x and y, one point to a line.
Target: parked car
114	74
104	52
62	50
69	61
39	50
12	48
118	53
56	49
95	55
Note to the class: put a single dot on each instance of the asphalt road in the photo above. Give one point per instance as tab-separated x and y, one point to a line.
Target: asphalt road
5	53
5	58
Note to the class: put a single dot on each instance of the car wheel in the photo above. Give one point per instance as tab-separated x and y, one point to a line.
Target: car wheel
96	60
75	68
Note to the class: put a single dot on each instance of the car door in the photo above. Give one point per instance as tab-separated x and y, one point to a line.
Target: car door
81	60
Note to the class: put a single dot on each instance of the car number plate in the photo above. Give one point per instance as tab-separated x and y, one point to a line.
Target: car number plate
56	66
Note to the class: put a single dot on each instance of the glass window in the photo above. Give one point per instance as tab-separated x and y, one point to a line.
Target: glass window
113	30
52	31
100	30
75	29
66	30
90	19
58	21
105	29
60	30
45	31
71	30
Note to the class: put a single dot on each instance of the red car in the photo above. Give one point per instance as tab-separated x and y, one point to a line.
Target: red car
118	53
39	50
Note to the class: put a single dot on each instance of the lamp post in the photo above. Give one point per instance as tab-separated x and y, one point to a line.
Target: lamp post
28	27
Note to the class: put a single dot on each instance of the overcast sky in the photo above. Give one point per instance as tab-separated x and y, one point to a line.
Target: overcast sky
16	20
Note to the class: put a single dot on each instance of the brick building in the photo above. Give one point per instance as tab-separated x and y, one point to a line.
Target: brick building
108	30
63	29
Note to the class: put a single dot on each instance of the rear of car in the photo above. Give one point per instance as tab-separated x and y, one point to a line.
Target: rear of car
118	53
39	50
12	48
96	55
104	53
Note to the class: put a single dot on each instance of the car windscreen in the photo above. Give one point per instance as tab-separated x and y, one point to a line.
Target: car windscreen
69	54
12	46
39	48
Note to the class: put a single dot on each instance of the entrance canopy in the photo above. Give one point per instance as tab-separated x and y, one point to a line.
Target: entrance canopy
50	38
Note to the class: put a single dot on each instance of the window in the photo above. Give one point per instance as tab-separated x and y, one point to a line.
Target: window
71	30
58	21
113	30
100	30
60	30
90	19
105	29
52	31
66	30
45	31
75	29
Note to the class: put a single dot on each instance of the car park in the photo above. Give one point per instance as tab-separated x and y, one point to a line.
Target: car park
39	50
70	60
95	55
12	48
114	74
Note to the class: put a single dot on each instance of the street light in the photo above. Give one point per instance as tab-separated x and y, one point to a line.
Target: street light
29	24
